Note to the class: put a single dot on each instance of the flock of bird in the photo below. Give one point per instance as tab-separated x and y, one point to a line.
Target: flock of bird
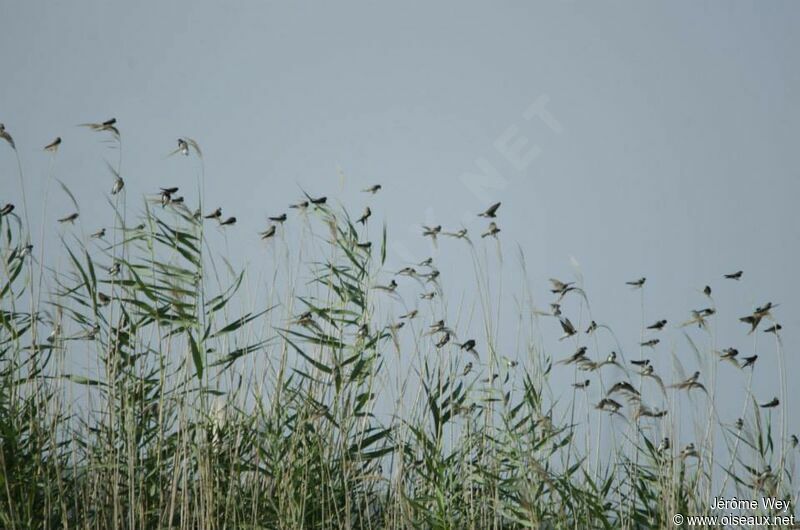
644	366
439	331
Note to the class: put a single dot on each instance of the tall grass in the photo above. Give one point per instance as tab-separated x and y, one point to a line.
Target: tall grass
145	385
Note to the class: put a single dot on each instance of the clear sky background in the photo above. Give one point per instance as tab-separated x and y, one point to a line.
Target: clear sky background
669	148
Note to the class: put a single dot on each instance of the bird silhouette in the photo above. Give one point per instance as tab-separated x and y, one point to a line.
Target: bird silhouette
70	218
7	137
366	215
493	230
491	211
53	146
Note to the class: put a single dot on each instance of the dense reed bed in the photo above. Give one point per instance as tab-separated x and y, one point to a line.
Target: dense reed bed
147	383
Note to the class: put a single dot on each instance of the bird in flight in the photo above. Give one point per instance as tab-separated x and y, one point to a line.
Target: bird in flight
490	212
569	329
53	146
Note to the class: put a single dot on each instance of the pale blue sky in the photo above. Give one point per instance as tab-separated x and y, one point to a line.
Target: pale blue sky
676	157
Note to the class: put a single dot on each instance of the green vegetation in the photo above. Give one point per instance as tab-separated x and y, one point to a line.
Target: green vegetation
141	386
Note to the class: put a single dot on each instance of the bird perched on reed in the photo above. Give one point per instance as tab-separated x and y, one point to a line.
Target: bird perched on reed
372	189
216	214
268	233
7	137
53	146
637	284
118	185
70	218
749	361
366	215
391	287
469	346
183	147
690	383
735	275
609	405
431	231
774	402
492	231
579	354
689	451
278	218
410	315
108	125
